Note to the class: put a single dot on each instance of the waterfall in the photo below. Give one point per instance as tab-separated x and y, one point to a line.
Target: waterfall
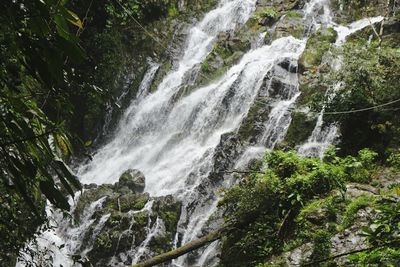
176	140
160	131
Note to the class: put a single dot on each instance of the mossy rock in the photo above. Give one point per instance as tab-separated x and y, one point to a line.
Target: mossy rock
169	210
133	201
89	196
141	219
300	129
132	179
317	45
252	126
226	51
160	244
289	26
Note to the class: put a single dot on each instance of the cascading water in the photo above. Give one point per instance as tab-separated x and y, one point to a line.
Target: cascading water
176	141
155	133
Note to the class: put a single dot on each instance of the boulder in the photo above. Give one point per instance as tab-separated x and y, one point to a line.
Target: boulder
132	179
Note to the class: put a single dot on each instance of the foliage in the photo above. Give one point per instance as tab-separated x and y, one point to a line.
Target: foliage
368	77
361	169
353	207
144	11
293	14
269	207
31	143
322	245
393	160
263	204
37	39
267	12
383	236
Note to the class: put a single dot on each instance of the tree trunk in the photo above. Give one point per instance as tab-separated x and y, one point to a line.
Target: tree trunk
173	254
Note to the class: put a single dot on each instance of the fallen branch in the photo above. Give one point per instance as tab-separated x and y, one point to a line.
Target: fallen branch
173	254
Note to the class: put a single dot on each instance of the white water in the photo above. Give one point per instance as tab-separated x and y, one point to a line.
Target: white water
321	138
153	138
344	31
172	140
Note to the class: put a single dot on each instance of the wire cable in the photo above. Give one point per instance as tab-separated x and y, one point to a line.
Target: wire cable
362	109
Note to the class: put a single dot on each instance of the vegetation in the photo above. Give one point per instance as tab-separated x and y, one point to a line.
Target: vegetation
37	39
57	74
368	77
294	200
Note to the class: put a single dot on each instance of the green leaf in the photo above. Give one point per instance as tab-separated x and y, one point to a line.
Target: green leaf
65	183
68	174
53	194
74	19
61	26
88	143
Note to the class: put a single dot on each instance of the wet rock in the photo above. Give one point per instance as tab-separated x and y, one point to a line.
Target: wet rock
299	255
317	45
289	65
290	26
121	221
300	129
89	196
226	152
132	179
317	216
169	210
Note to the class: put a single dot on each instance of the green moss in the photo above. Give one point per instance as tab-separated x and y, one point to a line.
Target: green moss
140	203
173	11
170	219
162	71
293	14
327	204
289	26
266	12
141	218
393	161
160	244
300	129
353	207
103	242
322	246
248	129
317	45
114	219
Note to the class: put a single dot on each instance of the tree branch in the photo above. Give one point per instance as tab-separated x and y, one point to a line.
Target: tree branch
173	254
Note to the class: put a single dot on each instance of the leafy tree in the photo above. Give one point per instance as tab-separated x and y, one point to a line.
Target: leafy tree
37	41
